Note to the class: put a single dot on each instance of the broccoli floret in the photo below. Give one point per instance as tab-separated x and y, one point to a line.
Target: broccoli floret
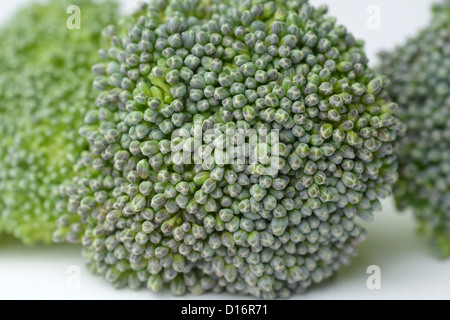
45	92
419	71
266	219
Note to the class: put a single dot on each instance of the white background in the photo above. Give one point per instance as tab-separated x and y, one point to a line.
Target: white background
409	270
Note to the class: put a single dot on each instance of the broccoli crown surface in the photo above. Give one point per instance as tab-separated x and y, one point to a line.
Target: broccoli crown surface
419	71
184	78
45	90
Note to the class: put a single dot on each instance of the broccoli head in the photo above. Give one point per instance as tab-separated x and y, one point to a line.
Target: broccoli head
419	71
45	91
233	146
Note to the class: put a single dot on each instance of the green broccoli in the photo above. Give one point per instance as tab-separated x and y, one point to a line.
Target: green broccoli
419	71
171	195
45	91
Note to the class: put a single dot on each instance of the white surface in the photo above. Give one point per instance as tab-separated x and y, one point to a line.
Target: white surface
408	268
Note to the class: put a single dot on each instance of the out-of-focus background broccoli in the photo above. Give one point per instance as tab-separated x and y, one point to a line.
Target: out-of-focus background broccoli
419	73
403	257
45	91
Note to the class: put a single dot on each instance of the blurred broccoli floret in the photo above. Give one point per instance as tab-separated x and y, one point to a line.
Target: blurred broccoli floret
194	78
45	91
420	75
